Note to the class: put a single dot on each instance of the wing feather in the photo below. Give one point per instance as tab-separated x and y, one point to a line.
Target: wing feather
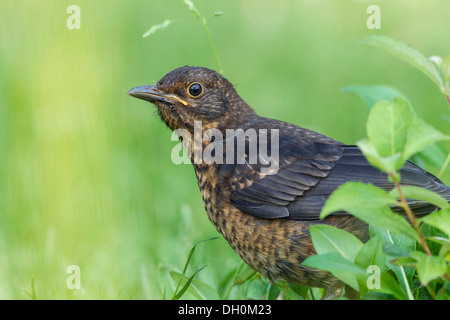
306	179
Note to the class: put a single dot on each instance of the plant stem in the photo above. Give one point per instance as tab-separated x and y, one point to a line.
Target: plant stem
444	166
448	99
410	214
211	42
213	47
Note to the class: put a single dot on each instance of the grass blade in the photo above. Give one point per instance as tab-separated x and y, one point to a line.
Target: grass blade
178	295
186	266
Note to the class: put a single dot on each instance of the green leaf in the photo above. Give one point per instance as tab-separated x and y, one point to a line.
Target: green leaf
273	291
397	246
395	135
257	289
433	155
301	291
431	233
429	267
371	94
385	164
368	203
390	286
439	219
371	253
244	274
439	240
393	251
356	196
156	28
352	274
336	264
387	127
289	294
444	292
418	193
445	253
405	262
407	54
236	277
420	136
327	239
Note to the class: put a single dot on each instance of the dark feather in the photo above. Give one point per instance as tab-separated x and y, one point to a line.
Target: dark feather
306	179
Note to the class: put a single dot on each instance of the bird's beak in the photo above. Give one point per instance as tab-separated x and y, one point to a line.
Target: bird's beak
152	94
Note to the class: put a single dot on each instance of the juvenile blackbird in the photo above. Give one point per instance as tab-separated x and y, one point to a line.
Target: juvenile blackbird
266	216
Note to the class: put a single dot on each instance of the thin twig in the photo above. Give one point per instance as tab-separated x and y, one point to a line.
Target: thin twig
444	166
211	42
410	214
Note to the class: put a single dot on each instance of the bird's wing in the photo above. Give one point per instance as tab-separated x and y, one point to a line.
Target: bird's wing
353	166
308	173
301	164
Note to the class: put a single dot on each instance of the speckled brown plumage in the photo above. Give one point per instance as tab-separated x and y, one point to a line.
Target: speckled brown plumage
266	217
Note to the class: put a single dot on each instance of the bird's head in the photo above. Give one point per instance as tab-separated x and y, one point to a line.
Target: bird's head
189	94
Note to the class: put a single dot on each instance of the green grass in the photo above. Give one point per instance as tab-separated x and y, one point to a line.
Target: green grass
85	172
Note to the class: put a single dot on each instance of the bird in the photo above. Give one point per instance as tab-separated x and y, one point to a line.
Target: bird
266	215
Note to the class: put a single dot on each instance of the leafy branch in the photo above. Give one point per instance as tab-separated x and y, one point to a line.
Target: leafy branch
404	204
434	67
394	134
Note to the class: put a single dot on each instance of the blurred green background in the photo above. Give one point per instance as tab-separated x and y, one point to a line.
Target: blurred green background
85	172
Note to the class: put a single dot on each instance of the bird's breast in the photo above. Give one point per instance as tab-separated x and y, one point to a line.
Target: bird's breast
273	247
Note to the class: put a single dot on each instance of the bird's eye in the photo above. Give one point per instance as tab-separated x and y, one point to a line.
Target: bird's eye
195	90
